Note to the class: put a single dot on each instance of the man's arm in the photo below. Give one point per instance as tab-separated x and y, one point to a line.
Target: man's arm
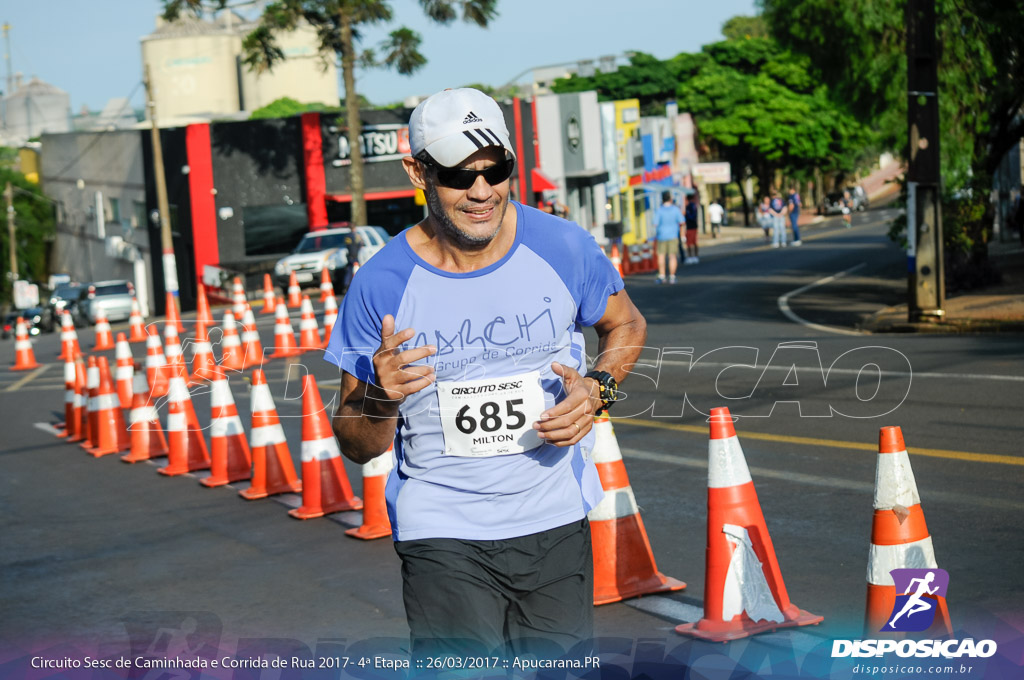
367	415
621	333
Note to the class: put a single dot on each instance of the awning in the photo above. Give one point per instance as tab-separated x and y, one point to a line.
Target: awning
541	182
586	178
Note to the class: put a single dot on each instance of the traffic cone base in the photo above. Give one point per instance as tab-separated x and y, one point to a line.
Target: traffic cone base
147	437
325	486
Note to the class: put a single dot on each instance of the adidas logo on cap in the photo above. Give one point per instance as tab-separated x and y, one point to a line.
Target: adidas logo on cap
472	118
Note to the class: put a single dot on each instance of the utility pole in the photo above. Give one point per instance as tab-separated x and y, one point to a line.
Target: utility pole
12	244
926	287
167	245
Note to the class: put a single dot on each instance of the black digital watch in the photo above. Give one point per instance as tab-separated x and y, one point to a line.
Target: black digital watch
609	389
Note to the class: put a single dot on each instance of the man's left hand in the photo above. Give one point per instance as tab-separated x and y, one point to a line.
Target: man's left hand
569	420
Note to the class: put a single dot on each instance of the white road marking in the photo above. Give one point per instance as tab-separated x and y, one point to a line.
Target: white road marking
783	303
850	371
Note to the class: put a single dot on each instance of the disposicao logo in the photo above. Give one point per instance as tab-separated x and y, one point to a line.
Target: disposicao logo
914	610
917	601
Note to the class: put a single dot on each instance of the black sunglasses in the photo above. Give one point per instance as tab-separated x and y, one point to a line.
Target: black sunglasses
462	179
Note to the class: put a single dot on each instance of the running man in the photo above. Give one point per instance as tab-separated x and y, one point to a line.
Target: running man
916	601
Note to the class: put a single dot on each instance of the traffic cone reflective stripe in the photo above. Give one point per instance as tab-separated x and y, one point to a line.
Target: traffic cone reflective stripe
111	434
230	459
136	327
24	357
269	301
70	426
309	332
92	384
157	371
125	371
744	593
104	338
284	334
272	469
294	292
145	433
173	353
204	365
238	299
616	259
173	316
376	523
624	564
187	450
899	536
252	348
80	418
231	357
325	486
326	287
330	318
69	349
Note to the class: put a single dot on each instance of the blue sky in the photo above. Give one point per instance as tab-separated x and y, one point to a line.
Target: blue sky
91	48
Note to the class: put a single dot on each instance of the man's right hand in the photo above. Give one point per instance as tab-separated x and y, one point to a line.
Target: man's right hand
396	379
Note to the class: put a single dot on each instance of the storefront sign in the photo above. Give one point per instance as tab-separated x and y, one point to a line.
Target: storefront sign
378	143
713	173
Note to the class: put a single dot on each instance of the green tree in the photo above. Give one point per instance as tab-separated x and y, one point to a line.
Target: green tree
286	106
741	27
34	224
338	24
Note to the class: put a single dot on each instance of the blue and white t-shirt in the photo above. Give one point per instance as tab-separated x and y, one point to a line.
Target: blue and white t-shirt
497	331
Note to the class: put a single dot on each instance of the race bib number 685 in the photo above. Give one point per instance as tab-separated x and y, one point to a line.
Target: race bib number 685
491	417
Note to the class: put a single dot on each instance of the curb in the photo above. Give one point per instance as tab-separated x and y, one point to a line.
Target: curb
894	320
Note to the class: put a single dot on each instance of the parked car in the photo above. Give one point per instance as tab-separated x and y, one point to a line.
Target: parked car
32	317
61	297
833	203
327	248
113	297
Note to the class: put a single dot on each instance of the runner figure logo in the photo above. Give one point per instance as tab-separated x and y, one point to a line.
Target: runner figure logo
917	593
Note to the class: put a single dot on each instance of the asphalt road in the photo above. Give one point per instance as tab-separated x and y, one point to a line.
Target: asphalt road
99	555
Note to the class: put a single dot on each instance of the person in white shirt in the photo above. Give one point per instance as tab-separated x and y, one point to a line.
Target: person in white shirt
715	214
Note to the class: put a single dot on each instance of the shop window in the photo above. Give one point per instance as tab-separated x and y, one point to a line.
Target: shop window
273	229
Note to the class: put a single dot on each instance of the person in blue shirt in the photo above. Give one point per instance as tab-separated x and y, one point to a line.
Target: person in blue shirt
668	224
793	203
461	342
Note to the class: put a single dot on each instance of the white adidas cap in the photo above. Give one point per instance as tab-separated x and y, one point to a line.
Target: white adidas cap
453	124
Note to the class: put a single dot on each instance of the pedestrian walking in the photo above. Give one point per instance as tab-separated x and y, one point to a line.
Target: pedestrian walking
462	345
764	216
847	208
793	205
692	216
353	246
715	215
778	212
668	224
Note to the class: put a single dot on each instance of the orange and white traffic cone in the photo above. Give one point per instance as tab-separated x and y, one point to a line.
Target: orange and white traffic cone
69	349
624	564
125	371
204	365
309	332
238	299
269	301
743	589
284	334
376	523
111	435
899	540
325	486
136	326
616	259
231	358
157	371
80	419
294	292
252	348
330	318
104	338
230	459
69	425
173	316
146	434
272	469
24	357
355	269
187	450
203	312
326	287
173	353
92	386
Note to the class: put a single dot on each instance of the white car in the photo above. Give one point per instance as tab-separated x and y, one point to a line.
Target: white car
327	248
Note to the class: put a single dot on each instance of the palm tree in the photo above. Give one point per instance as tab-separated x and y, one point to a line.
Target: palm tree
337	24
